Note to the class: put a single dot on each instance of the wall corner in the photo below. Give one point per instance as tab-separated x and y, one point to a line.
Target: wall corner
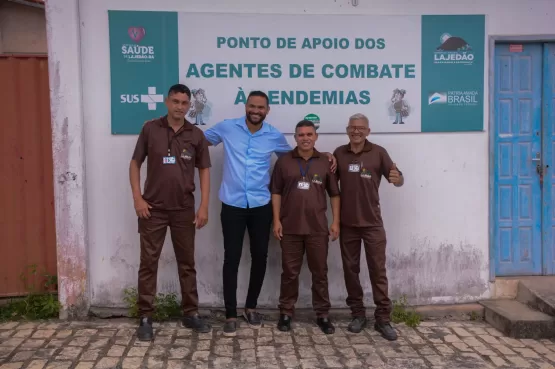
68	148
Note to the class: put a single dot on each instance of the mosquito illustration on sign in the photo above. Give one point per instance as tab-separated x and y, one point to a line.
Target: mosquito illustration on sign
399	107
199	106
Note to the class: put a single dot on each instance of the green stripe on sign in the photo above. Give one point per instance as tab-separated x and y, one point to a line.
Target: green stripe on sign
144	63
453	54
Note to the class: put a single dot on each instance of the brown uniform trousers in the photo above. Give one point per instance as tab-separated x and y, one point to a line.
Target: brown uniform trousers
153	233
293	248
374	239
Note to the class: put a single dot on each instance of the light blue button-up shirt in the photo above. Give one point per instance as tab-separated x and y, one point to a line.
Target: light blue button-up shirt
247	160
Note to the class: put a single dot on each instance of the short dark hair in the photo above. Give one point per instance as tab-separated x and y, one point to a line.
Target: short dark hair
259	94
180	88
305	123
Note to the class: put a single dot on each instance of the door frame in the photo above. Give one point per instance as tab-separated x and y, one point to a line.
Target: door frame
492	40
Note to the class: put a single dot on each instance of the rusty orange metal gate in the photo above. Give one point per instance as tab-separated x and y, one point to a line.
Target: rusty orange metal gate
27	225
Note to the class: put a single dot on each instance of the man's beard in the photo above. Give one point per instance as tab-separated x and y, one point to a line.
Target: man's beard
262	117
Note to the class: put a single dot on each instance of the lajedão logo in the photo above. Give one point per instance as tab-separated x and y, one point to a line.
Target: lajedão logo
365	173
437	98
317	179
151	98
186	155
136	33
135	52
453	50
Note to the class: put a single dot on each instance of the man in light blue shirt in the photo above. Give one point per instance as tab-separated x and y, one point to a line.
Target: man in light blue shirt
249	143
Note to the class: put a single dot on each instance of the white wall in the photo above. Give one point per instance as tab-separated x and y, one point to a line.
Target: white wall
437	224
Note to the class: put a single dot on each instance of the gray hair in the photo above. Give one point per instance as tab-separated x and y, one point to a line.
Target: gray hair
359	116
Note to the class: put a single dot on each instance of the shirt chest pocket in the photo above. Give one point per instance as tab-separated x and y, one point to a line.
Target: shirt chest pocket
318	179
187	150
260	150
370	168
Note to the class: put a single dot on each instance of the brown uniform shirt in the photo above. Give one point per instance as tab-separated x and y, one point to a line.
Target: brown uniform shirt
303	211
360	176
170	179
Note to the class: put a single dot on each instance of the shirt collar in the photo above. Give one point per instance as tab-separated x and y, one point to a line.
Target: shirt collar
295	153
187	126
242	122
367	146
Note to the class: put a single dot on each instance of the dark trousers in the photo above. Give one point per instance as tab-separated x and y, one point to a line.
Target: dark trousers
374	240
258	222
152	235
292	253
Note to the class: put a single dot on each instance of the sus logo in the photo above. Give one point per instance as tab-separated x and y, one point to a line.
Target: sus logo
136	33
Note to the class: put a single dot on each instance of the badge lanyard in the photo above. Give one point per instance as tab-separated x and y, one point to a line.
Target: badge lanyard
304	172
170	139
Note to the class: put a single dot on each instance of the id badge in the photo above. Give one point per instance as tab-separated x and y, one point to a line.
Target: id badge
168	160
354	168
303	185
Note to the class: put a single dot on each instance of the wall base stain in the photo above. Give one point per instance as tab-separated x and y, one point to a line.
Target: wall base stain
427	274
72	255
72	278
443	273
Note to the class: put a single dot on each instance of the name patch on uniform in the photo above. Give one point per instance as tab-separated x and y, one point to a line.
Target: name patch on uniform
303	185
354	168
317	179
366	174
168	160
186	155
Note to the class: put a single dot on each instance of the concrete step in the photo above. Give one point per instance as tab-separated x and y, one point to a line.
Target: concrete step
538	293
517	320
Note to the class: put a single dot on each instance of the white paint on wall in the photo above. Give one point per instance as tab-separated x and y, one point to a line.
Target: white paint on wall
437	224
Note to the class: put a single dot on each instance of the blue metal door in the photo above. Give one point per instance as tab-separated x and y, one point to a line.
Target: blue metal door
548	119
517	194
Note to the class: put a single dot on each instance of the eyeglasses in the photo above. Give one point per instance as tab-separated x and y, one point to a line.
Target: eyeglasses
356	128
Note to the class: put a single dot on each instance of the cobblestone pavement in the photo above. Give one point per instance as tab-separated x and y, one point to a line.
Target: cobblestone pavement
112	344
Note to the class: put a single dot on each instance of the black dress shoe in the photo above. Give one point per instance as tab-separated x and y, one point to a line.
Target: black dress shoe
230	328
357	324
253	319
196	323
386	330
325	325
284	323
144	332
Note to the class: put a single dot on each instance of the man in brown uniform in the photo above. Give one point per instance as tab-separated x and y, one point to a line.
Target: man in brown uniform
360	167
299	183
174	148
